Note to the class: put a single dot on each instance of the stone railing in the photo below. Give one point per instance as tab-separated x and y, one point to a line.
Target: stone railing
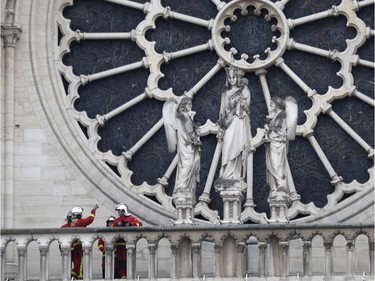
223	252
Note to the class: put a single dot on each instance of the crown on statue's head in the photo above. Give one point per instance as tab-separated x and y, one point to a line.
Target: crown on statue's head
239	72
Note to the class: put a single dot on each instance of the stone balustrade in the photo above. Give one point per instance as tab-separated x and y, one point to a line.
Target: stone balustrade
221	252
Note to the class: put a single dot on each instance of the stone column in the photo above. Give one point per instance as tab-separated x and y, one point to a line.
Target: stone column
2	272
218	247
249	178
262	259
327	264
108	261
152	261
240	263
21	263
65	265
86	263
306	258
174	249
372	262
350	260
196	247
284	260
10	34
43	263
130	266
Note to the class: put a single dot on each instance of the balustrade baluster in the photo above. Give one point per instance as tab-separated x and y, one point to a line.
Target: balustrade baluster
196	247
306	258
262	258
21	263
372	255
65	265
2	263
350	261
130	265
43	263
86	263
240	263
152	261
108	261
174	249
328	260
284	245
218	248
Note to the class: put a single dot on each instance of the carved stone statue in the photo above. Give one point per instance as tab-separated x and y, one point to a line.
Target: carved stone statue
280	129
235	127
182	134
234	136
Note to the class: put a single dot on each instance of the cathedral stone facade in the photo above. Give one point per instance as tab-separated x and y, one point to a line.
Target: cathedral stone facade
83	84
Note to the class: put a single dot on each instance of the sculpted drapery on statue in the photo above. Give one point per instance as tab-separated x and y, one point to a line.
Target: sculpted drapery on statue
182	134
280	129
234	122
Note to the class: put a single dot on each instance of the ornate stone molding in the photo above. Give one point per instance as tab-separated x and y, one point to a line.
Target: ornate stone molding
10	33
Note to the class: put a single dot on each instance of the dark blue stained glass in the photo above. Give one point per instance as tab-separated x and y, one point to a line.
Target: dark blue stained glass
184	73
173	35
336	143
367	15
261	190
124	130
317	72
250	34
93	56
364	80
151	161
365	51
104	95
102	16
302	8
327	34
196	8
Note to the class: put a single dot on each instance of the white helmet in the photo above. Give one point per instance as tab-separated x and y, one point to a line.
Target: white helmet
76	213
122	210
110	220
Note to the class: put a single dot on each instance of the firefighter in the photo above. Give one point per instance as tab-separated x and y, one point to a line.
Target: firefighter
125	219
101	245
76	220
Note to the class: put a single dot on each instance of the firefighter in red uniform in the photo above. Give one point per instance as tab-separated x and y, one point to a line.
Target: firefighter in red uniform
76	249
101	245
124	219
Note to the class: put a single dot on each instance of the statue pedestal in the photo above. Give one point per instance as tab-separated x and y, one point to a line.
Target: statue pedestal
279	202
185	210
232	193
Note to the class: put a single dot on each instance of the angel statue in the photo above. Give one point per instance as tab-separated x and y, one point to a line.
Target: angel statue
281	128
235	129
183	134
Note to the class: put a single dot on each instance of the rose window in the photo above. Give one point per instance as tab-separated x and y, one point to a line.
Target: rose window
121	60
